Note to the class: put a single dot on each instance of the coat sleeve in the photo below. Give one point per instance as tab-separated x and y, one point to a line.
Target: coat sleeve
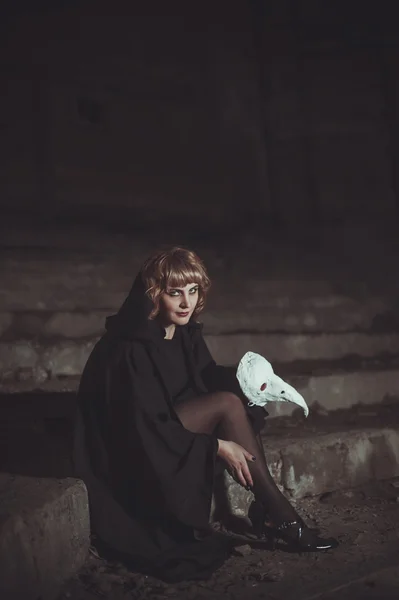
168	461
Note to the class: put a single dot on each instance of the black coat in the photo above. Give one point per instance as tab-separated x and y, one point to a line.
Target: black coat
149	479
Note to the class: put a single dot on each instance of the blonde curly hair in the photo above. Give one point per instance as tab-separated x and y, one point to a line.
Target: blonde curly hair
174	267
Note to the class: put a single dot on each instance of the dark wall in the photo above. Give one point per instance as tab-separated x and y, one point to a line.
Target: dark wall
156	112
237	111
331	106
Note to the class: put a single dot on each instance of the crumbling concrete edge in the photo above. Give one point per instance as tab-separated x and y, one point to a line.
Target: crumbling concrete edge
315	465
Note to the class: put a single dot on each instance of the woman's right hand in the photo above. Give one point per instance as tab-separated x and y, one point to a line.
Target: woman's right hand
237	459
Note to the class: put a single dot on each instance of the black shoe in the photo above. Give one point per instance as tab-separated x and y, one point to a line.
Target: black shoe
299	537
259	517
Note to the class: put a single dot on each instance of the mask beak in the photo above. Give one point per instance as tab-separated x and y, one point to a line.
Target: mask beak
280	391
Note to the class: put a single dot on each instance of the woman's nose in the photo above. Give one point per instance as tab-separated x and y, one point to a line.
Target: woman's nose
184	302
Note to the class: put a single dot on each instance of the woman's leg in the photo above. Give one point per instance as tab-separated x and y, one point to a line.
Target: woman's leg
224	413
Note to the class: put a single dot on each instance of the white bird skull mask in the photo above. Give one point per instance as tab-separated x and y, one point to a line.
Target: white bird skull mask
260	385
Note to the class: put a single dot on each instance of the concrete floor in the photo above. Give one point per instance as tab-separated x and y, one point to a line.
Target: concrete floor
363	567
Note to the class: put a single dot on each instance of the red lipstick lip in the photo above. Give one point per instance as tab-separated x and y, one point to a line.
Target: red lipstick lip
183	314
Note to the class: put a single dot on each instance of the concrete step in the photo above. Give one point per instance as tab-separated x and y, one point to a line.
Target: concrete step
48	518
314	461
325	384
341	389
228	349
298	313
40	358
44	534
279	314
81	286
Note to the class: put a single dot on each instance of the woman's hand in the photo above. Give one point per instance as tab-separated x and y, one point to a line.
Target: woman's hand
236	458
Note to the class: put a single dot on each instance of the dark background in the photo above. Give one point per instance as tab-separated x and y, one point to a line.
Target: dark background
262	134
210	115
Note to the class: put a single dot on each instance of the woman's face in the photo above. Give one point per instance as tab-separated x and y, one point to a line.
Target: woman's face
177	304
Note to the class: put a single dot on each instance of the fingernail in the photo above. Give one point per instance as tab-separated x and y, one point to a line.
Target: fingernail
254	458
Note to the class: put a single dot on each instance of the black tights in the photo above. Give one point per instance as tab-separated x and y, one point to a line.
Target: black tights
224	414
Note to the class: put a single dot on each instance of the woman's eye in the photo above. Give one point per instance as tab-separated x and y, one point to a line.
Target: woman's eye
193	290
173	293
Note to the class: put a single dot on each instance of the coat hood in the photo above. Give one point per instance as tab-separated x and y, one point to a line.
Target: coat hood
131	321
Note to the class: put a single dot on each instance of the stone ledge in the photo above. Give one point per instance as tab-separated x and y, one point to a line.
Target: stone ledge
44	534
322	463
32	386
24	360
283	347
280	316
277	316
328	390
40	359
314	466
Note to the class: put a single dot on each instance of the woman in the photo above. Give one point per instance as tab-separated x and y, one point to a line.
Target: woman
154	413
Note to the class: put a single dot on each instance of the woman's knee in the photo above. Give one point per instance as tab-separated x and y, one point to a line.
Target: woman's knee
230	402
